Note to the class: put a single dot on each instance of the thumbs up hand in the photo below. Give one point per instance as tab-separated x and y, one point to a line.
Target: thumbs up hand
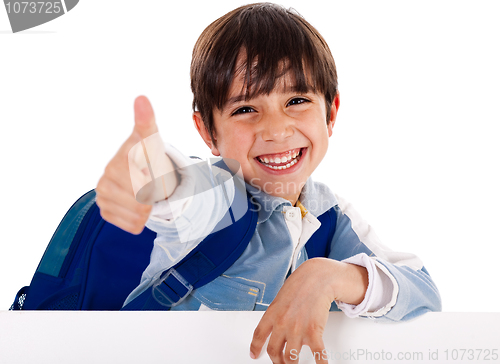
138	175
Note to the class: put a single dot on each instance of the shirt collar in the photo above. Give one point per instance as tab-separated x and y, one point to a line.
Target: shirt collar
316	197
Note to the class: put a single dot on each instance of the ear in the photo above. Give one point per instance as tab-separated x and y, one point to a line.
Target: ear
205	135
333	114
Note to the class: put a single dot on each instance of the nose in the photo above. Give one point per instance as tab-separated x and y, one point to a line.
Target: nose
277	127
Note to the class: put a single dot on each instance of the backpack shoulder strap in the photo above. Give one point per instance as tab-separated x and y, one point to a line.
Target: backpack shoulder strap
208	260
319	244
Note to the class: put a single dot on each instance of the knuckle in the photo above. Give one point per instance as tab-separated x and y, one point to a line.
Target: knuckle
109	169
259	334
98	188
317	346
310	332
314	331
107	216
144	210
104	214
135	221
103	187
137	229
273	352
103	209
282	324
136	225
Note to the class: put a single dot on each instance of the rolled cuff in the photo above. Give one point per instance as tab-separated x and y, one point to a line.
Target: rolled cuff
381	293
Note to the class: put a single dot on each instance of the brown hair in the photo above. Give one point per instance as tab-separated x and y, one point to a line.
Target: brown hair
276	41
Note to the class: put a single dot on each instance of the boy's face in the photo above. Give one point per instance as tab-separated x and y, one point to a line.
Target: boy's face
279	139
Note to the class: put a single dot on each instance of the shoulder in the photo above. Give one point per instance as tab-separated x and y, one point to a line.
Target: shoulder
342	203
317	197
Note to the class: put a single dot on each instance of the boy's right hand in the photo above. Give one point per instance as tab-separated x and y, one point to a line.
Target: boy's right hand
115	195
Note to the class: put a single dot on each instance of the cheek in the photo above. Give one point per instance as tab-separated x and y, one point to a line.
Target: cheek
317	133
235	142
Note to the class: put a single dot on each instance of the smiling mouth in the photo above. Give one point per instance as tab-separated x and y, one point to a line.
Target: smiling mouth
281	161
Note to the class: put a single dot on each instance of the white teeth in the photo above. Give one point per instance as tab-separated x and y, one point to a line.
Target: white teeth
291	159
288	165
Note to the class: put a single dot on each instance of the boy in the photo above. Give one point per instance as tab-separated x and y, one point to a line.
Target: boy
265	94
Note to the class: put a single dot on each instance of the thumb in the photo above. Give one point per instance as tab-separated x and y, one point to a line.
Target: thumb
145	122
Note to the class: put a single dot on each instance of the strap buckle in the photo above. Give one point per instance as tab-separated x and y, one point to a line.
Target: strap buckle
171	289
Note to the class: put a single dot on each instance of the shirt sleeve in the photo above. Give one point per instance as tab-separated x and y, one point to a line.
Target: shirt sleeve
380	293
182	197
399	289
181	222
196	205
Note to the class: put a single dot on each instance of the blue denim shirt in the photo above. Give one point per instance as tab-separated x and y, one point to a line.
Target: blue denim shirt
254	280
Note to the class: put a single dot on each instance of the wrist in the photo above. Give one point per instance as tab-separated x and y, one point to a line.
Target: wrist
350	283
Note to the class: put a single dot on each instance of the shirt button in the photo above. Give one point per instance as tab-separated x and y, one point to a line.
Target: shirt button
290	214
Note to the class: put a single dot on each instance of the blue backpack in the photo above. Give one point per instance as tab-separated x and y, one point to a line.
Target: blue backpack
91	264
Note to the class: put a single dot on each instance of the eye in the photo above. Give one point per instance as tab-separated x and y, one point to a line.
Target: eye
243	110
297	101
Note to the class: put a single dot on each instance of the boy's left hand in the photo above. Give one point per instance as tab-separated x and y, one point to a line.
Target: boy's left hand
299	313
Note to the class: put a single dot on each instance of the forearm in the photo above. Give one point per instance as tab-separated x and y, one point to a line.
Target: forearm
344	282
399	286
352	283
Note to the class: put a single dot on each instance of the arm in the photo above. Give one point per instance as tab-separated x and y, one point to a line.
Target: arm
160	177
182	207
358	284
404	288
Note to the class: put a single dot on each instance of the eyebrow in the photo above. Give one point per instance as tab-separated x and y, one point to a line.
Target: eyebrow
231	101
235	99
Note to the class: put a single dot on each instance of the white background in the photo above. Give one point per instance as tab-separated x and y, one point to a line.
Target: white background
415	146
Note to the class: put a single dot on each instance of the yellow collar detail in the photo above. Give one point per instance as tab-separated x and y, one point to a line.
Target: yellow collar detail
303	210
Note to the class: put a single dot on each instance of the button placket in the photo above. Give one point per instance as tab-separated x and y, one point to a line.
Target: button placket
290	214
